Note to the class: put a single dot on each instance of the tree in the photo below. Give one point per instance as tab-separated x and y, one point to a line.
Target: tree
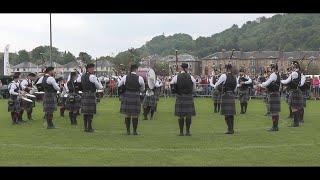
85	57
23	56
68	57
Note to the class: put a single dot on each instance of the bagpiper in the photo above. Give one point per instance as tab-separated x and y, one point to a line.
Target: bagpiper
273	86
132	84
50	87
26	86
14	101
89	84
184	85
150	99
216	93
243	83
295	95
73	101
228	109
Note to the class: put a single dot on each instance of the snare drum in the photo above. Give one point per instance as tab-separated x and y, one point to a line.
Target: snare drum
33	98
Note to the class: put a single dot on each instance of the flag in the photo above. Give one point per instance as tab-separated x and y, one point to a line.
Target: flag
6	61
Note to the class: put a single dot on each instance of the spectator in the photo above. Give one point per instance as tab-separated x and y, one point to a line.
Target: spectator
315	87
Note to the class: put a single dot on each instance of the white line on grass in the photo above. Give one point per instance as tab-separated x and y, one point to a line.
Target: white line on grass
125	149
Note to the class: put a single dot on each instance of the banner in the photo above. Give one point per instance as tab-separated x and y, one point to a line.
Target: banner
6	66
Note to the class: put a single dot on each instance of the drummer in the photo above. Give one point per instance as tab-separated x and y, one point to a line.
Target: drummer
26	86
14	103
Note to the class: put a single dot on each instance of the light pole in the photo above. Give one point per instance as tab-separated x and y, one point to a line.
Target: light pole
50	41
176	60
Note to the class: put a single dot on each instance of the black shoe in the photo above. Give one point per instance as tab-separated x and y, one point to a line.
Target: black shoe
51	127
128	133
90	130
241	112
181	134
135	133
273	129
145	118
293	125
188	134
229	132
86	130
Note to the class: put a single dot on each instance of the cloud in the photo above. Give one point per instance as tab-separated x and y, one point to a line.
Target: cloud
104	34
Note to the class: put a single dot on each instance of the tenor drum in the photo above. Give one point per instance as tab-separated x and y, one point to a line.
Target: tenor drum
39	95
148	75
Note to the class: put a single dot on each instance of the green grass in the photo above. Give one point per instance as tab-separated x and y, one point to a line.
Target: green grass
31	144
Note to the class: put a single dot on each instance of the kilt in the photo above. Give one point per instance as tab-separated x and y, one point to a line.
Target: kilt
73	106
266	97
244	95
149	101
130	103
216	95
228	104
88	103
62	101
184	105
304	94
157	93
274	102
296	99
26	105
49	102
15	107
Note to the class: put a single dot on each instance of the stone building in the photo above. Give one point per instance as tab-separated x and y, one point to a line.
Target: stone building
256	62
193	62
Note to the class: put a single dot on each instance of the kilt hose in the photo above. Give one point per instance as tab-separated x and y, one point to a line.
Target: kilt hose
228	105
184	105
49	102
296	99
244	96
130	103
216	96
75	105
274	101
14	105
149	101
88	103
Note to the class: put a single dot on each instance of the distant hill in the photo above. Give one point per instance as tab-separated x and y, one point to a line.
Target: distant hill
287	32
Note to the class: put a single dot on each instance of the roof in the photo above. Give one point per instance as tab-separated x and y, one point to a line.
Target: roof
181	57
103	63
294	55
54	64
71	64
25	65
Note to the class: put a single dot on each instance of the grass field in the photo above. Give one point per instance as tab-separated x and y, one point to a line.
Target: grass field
31	144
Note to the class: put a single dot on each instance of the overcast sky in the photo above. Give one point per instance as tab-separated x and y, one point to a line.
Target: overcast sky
107	34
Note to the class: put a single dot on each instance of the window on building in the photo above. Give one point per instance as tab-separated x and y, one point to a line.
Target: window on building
17	69
253	62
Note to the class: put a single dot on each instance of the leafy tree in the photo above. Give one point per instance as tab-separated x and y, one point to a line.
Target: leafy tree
23	56
85	57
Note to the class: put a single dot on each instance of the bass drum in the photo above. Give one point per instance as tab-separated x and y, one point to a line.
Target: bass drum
149	76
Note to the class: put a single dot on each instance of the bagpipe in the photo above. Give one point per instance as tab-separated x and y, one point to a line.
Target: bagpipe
149	77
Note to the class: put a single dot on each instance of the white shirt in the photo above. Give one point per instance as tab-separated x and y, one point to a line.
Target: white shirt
78	79
303	80
141	81
246	82
93	78
272	78
24	83
12	86
50	81
175	78
293	75
158	83
222	79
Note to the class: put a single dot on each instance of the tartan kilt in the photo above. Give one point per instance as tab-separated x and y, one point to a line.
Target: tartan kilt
49	102
26	105
184	105
274	102
296	99
15	107
216	95
244	95
62	101
157	94
88	103
228	104
130	103
149	101
304	94
73	106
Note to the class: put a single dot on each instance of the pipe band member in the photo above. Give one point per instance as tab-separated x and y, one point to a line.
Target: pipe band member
185	85
26	86
73	101
50	87
14	101
295	95
61	99
243	83
228	109
273	87
89	84
130	98
150	101
216	93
